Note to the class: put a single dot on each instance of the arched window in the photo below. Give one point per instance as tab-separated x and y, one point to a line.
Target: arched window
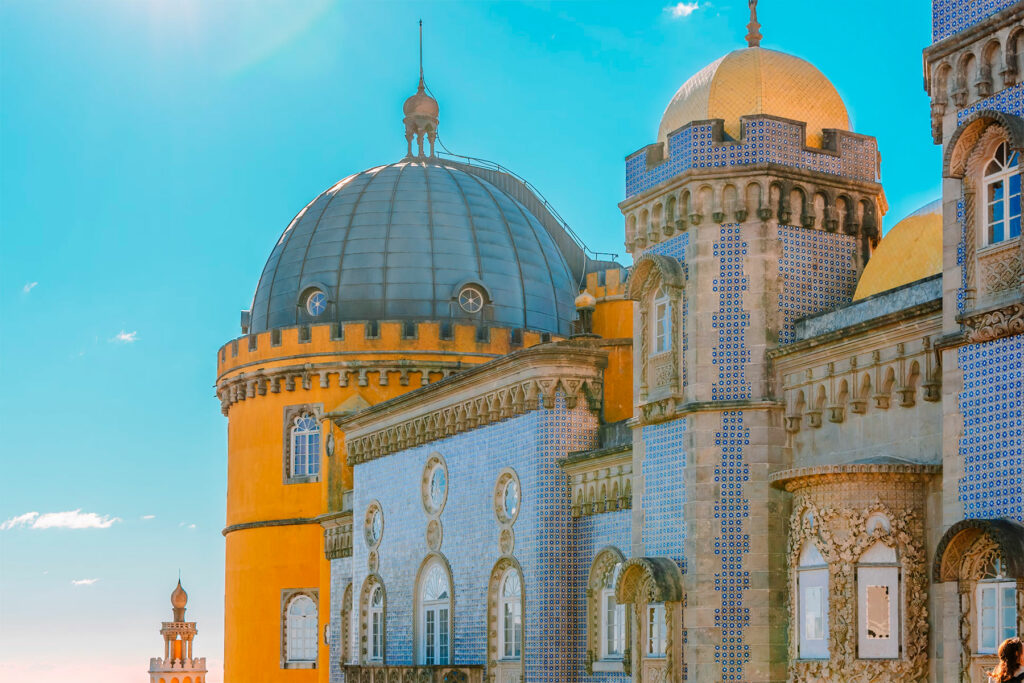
375	617
662	322
613	619
1002	196
878	603
812	599
435	616
305	436
511	645
300	634
657	630
997	607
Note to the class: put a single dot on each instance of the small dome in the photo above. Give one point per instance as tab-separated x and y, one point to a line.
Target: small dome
585	300
421	104
753	81
179	597
910	251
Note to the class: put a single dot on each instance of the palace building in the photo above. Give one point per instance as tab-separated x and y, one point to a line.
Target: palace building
775	446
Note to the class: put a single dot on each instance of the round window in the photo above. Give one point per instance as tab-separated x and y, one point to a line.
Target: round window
374	525
434	484
507	496
438	484
316	302
471	299
511	498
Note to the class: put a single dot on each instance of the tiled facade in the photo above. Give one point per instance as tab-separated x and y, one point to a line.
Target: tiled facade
664	493
952	16
818	273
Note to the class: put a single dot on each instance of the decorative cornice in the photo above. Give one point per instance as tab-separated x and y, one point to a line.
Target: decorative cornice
673	408
326	520
803	477
512	385
993	323
600	480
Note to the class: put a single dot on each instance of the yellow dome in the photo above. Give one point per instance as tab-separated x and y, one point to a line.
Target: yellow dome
757	81
911	250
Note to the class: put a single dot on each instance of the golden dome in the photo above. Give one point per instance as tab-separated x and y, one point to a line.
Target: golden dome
910	251
421	104
179	597
753	81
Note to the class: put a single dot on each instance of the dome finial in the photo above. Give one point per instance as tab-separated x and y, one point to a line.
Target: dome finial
753	28
420	113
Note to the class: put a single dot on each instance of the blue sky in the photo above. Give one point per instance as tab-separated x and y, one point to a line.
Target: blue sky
152	152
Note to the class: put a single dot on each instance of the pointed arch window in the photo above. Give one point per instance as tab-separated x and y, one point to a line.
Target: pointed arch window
1002	195
662	322
996	599
305	442
375	618
812	597
511	615
301	630
435	611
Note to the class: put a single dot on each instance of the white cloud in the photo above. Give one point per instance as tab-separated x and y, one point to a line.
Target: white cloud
681	10
123	337
83	582
29	286
72	519
187	526
148	516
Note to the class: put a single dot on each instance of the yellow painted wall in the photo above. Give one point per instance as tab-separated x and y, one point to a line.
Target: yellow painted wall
613	320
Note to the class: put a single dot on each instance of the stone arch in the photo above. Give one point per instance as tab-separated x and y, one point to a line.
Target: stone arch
501	568
941	84
346	625
730	202
777	200
631	228
966	73
650	267
649	579
705	202
601	569
670	213
657	214
991	58
431	560
1011	55
964	140
959	539
369	584
752	199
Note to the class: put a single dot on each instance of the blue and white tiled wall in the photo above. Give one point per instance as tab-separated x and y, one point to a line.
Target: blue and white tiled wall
675	247
1009	100
992	442
531	444
953	16
731	355
817	272
764	140
341	577
664	492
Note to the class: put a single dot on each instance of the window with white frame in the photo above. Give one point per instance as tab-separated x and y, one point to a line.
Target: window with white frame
613	619
996	600
305	446
662	322
376	623
1002	196
878	603
657	630
812	603
435	624
511	609
301	627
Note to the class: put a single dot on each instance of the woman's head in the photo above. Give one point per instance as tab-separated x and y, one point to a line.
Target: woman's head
1010	655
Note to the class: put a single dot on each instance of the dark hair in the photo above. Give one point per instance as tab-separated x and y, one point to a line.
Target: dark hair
1009	660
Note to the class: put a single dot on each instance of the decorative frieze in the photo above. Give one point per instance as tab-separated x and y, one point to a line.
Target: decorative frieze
992	324
600	481
337	535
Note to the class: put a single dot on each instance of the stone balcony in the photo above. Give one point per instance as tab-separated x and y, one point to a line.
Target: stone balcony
380	673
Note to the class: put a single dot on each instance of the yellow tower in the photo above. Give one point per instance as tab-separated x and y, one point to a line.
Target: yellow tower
393	278
178	665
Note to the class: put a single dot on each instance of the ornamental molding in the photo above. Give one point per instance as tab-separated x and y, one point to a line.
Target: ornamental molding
247	385
601	481
602	571
969	132
1004	321
841	534
807	477
504	564
512	385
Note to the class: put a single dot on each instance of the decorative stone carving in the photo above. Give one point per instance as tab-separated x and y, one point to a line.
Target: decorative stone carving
600	481
501	567
601	571
1004	321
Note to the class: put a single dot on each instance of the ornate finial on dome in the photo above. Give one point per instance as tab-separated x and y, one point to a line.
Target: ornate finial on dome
753	28
179	598
420	113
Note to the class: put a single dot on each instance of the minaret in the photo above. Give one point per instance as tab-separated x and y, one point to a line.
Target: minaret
420	114
178	635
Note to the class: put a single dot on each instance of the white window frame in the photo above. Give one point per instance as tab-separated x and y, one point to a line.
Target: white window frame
662	319
375	624
879	567
301	630
1002	592
657	631
510	611
305	446
435	646
812	579
613	626
997	172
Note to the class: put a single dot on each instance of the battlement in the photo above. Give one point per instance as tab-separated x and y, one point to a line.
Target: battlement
607	284
160	665
763	140
404	339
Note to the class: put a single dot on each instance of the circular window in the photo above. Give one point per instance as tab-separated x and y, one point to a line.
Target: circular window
316	302
374	525
507	496
471	299
434	486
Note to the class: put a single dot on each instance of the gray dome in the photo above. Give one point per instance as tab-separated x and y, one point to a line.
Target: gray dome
399	242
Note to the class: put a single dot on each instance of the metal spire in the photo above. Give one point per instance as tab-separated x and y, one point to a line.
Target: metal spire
421	54
753	28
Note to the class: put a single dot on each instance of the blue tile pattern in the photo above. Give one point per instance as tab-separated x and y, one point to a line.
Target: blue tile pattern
732	354
961	253
953	16
764	140
593	533
731	545
531	444
664	492
341	576
817	273
675	247
1010	100
992	441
